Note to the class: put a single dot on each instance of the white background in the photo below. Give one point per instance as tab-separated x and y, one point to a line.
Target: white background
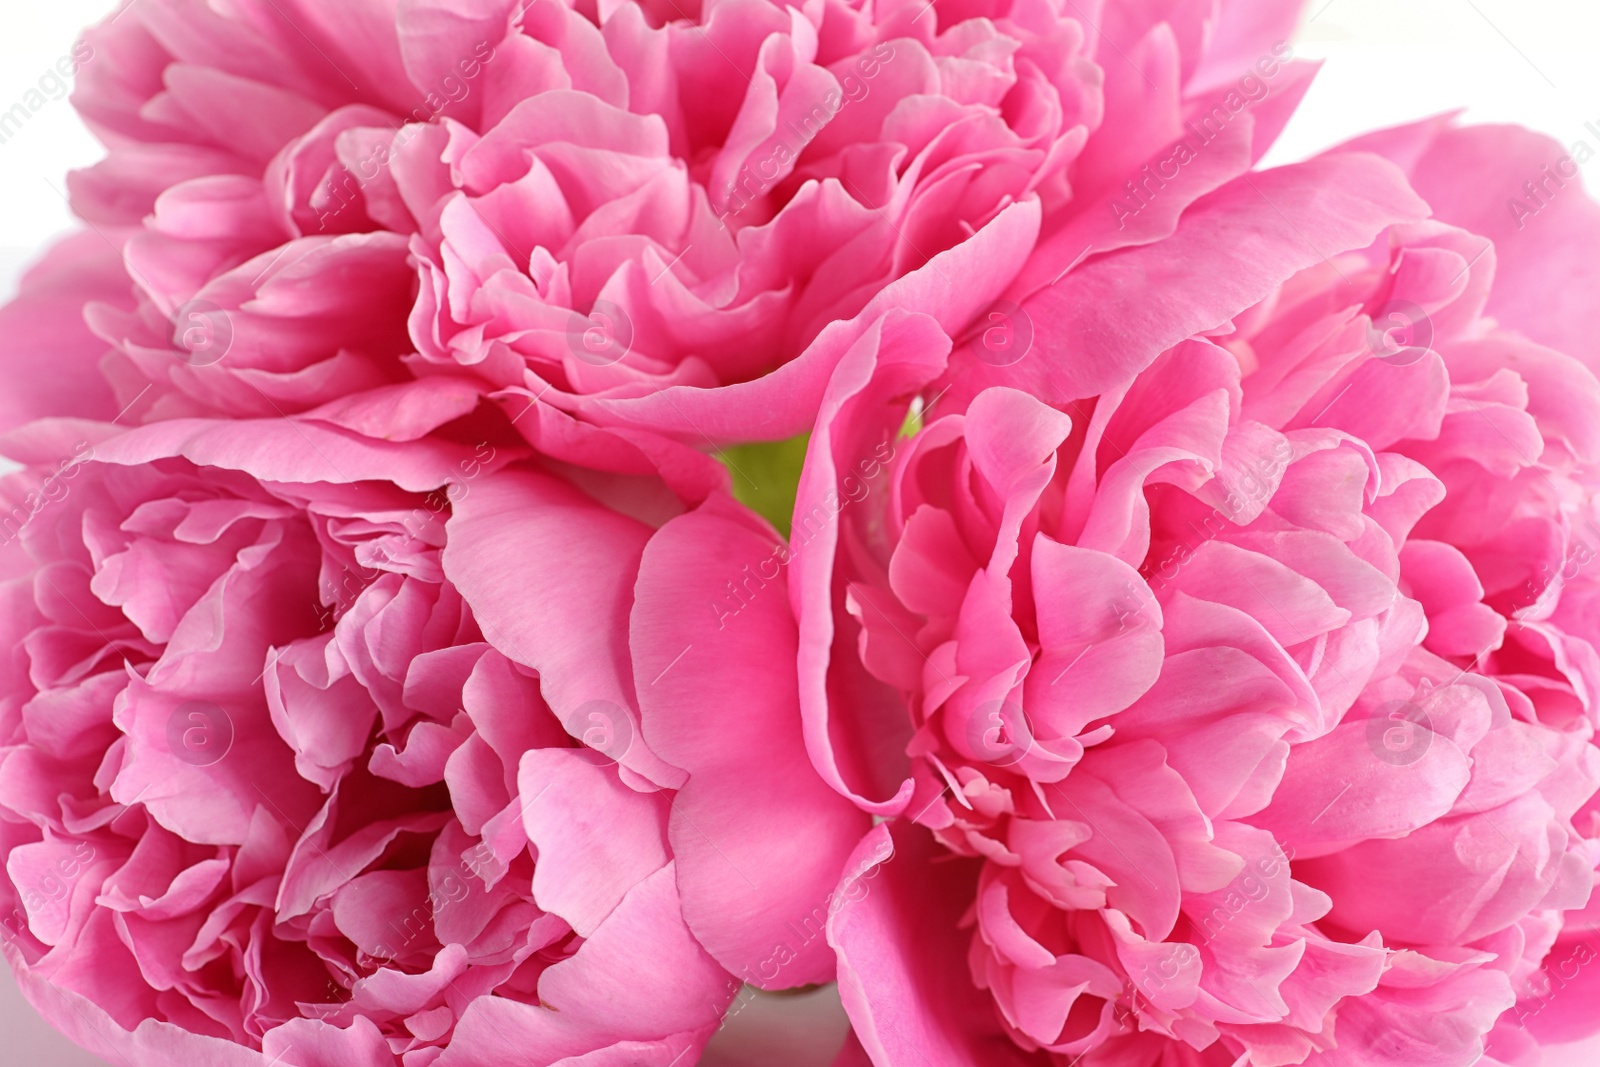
1387	61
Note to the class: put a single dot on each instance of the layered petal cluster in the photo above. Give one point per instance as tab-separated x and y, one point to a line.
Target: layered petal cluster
283	774
1247	699
290	757
1177	647
598	202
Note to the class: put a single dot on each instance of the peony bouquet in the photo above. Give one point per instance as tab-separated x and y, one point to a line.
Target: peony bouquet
539	524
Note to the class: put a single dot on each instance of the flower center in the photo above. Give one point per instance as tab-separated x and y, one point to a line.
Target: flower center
766	477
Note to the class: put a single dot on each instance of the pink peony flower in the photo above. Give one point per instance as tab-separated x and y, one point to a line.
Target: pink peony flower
1231	695
1178	647
288	760
621	209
